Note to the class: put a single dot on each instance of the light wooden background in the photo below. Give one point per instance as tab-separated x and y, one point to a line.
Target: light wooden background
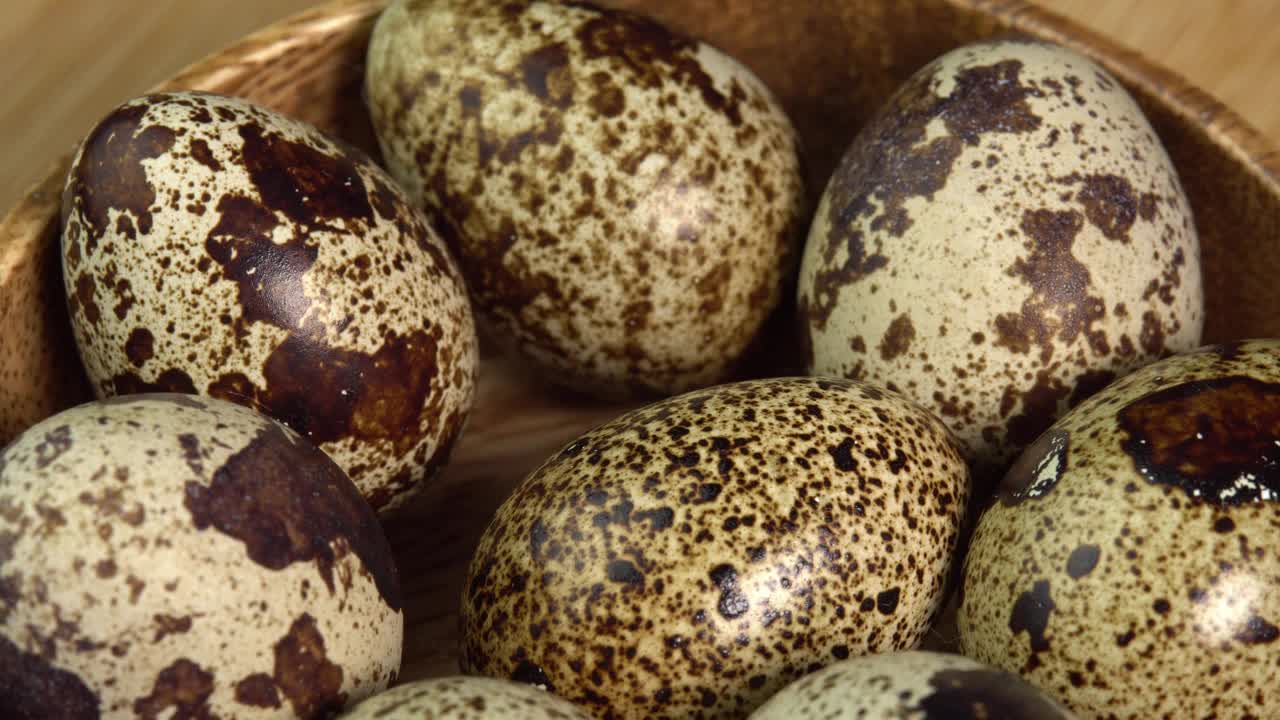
68	61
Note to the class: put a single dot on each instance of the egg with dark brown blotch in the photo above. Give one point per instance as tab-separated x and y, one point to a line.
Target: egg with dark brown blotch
1133	546
625	203
910	686
212	246
168	555
1005	237
465	697
690	558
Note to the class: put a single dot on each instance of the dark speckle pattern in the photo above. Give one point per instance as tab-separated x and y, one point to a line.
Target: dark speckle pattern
775	555
1030	615
168	556
218	248
465	698
304	674
1083	560
182	688
288	502
911	686
110	176
1000	241
1149	562
626	203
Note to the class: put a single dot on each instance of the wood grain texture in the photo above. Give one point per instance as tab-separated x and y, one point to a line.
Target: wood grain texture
311	69
69	61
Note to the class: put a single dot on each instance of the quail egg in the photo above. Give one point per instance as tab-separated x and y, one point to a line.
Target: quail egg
626	204
212	246
910	686
465	698
688	559
1129	567
1003	239
167	555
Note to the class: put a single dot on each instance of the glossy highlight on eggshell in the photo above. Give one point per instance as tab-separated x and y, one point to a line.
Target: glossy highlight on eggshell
212	246
625	203
1147	562
912	685
171	555
689	558
1004	238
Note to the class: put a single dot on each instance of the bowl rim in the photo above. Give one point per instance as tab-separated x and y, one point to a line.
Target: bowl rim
1226	128
33	220
29	216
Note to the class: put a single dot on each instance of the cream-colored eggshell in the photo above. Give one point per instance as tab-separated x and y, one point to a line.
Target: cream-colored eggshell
465	697
1004	238
1130	567
688	559
215	247
910	686
174	554
625	204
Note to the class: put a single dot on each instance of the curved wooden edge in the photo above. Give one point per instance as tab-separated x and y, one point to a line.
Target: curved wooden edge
1246	144
1230	170
25	221
1250	147
347	18
38	376
213	73
338	18
345	24
292	41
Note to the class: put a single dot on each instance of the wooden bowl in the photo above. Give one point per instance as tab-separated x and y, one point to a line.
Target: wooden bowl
830	61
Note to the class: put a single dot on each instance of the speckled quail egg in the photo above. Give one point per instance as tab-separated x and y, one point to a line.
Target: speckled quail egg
466	698
1003	239
625	204
212	246
688	559
167	555
910	686
1129	567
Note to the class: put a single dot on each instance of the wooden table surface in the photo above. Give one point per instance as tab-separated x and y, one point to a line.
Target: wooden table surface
68	61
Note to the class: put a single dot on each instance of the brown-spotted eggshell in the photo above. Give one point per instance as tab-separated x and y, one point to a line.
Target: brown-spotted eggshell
625	203
212	246
166	555
913	685
465	697
691	557
1130	566
1003	239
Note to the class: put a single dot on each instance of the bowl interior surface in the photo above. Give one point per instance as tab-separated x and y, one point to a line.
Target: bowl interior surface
831	63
